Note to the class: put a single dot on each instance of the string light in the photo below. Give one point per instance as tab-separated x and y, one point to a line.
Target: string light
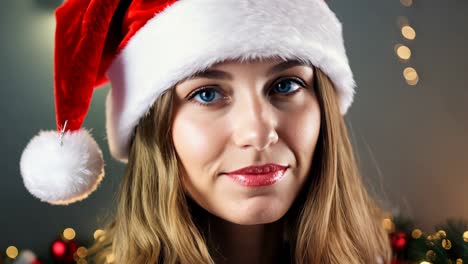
82	252
408	32
403	52
416	234
388	225
411	76
406	3
447	244
99	234
442	233
80	255
12	252
430	255
410	73
440	243
69	233
412	82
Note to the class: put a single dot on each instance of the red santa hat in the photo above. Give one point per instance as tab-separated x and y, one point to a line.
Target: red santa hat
144	47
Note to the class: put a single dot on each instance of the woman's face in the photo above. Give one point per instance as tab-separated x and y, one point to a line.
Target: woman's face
237	115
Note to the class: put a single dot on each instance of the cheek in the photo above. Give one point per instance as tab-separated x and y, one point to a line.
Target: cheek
301	131
307	131
197	141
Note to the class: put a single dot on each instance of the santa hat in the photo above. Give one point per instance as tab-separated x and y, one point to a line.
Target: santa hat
145	47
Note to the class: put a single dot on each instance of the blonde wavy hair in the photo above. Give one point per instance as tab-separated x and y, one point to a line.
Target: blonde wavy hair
333	219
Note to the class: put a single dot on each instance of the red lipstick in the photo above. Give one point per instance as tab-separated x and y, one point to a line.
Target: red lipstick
257	176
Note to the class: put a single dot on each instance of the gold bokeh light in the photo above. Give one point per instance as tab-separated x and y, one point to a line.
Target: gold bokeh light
446	244
412	82
411	76
388	225
82	252
416	234
442	233
430	255
403	52
69	233
99	233
408	32
406	3
12	252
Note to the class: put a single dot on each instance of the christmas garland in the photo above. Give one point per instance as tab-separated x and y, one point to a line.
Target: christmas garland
410	245
447	244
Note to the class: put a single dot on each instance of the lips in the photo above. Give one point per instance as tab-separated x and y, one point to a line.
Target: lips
257	176
259	169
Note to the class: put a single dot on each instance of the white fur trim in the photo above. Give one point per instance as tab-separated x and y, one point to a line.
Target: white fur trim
192	35
62	174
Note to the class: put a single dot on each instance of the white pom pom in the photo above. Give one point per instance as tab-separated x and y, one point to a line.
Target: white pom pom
25	257
62	174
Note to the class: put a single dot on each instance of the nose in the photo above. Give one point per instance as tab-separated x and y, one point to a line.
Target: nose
255	123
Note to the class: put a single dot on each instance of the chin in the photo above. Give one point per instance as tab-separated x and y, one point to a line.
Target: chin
255	221
255	217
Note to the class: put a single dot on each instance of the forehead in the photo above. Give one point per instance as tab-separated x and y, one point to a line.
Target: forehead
223	69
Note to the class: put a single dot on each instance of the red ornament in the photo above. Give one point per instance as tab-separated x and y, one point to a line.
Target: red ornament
63	250
59	248
36	261
398	241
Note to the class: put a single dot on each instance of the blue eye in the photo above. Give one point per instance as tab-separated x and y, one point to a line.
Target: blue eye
288	86
205	96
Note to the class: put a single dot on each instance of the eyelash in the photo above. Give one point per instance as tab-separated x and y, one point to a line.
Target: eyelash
296	80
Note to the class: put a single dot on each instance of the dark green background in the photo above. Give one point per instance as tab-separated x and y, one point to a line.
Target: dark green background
412	141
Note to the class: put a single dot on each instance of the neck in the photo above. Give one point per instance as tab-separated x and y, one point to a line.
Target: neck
234	243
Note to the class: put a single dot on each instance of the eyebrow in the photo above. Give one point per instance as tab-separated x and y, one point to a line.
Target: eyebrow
284	66
217	74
